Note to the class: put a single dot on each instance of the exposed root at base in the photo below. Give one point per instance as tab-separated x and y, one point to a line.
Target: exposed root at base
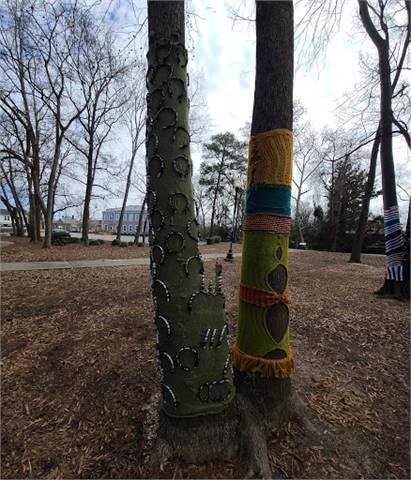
238	435
396	289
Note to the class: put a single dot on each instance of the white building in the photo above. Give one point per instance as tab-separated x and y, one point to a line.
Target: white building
5	219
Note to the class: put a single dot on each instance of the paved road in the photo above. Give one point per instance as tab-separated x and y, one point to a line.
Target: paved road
106	238
128	262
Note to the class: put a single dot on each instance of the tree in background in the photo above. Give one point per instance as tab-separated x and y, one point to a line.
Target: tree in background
134	119
102	78
377	19
343	180
226	161
307	163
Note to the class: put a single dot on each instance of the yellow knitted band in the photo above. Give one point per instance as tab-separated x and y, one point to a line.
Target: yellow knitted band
263	367
270	158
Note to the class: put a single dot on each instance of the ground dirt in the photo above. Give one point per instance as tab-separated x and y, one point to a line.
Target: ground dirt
80	379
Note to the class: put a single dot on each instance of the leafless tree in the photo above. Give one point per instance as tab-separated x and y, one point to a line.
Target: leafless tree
134	121
101	70
307	162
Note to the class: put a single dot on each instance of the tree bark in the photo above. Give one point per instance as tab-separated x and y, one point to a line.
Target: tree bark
365	207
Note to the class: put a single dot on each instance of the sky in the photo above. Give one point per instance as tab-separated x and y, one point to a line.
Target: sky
222	53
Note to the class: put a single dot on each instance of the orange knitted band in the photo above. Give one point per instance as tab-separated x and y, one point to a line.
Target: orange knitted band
268	223
264	367
262	298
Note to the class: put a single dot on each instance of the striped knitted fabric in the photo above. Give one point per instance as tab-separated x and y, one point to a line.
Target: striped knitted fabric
394	244
395	272
262	298
268	223
394	240
269	199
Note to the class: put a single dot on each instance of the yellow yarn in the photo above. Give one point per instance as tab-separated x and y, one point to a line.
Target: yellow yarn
270	158
264	367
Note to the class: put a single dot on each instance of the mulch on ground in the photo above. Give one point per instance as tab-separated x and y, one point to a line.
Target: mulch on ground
22	250
81	387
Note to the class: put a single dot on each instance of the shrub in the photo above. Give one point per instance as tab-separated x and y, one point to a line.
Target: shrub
130	244
115	243
123	244
96	242
60	237
213	239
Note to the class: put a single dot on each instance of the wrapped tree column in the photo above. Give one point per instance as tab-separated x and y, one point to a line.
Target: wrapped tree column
190	318
262	348
262	345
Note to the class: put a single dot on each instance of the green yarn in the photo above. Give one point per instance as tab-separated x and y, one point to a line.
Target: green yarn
259	257
262	253
253	336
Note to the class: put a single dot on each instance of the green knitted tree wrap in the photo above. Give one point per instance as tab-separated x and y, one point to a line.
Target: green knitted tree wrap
263	253
192	331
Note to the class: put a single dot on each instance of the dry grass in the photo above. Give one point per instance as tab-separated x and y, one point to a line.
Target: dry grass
80	381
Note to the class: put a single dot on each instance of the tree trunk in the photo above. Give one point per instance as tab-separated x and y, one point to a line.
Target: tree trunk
217	187
37	201
365	207
197	385
123	207
87	199
338	204
145	226
140	223
48	224
262	351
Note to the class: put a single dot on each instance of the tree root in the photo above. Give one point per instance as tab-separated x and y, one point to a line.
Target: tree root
398	290
238	435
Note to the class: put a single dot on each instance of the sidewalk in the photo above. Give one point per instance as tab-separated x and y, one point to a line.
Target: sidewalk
128	262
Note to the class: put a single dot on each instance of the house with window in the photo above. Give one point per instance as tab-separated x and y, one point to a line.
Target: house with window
5	219
111	217
68	223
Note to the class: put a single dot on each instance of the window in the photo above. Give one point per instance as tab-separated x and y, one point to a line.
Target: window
105	227
124	228
130	228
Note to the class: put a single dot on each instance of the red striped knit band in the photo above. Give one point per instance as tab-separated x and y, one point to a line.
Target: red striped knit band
268	223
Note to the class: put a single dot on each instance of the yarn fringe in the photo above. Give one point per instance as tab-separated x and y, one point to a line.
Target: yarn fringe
264	367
